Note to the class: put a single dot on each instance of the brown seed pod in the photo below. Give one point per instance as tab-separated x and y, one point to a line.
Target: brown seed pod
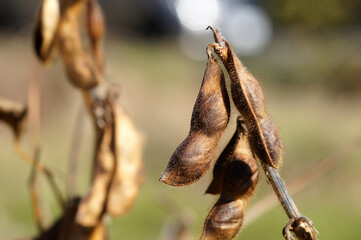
80	67
225	219
249	100
14	114
129	170
224	160
95	26
46	24
210	116
92	206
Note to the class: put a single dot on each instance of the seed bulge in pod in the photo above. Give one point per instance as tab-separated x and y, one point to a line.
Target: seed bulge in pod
226	217
192	158
224	160
79	66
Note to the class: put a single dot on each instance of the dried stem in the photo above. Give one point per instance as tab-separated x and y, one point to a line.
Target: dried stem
75	151
34	194
280	189
42	168
303	180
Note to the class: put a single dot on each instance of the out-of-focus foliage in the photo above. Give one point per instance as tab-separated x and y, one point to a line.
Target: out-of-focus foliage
315	14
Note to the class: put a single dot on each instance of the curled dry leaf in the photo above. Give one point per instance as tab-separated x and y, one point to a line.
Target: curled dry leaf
129	170
80	67
95	26
92	206
14	114
65	228
224	160
46	25
225	219
210	116
249	99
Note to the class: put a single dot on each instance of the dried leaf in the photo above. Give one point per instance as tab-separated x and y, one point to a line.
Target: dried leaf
129	170
249	99
95	25
225	219
92	206
14	114
210	116
46	24
80	67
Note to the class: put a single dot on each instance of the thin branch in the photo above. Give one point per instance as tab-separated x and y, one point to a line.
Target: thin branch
75	151
303	180
34	194
43	169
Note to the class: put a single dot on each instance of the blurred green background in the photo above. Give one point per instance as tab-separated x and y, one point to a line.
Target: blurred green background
310	70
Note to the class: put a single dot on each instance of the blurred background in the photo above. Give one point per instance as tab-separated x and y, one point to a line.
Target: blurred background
306	55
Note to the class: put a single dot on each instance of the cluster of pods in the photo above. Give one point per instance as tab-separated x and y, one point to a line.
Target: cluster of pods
58	30
118	170
229	123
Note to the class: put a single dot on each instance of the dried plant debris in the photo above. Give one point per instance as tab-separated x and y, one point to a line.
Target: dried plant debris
14	114
237	186
129	170
210	116
92	206
96	29
46	25
80	67
65	228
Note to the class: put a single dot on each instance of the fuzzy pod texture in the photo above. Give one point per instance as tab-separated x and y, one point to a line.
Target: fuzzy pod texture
92	205
80	67
248	97
96	29
46	25
226	217
193	157
224	160
129	169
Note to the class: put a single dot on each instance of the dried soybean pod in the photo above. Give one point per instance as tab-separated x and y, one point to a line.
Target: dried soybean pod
95	26
210	116
80	67
92	205
129	170
224	160
46	24
271	138
249	100
14	114
226	217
